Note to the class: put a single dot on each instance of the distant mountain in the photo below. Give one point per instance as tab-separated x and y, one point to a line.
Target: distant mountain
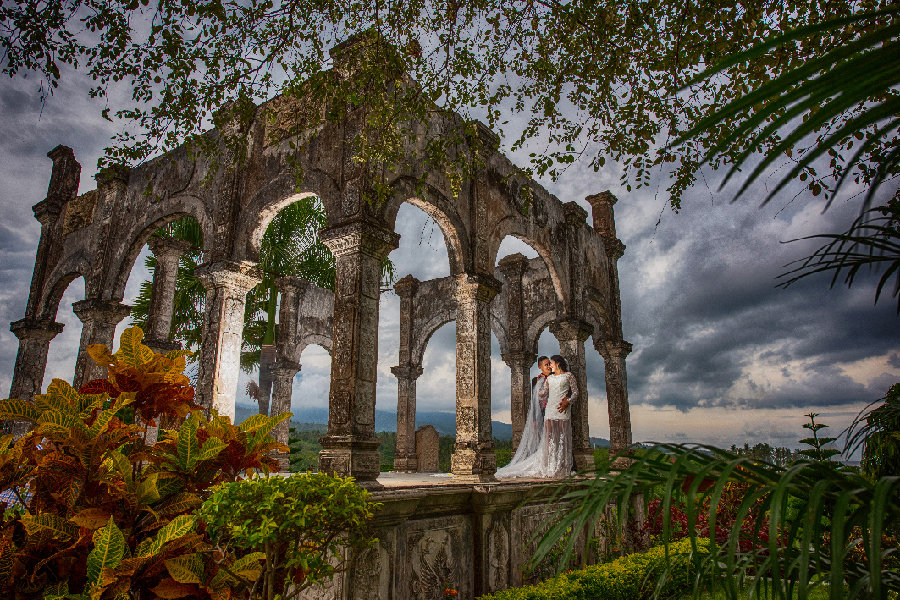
444	422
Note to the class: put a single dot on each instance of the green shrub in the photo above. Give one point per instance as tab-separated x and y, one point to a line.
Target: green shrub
632	577
307	526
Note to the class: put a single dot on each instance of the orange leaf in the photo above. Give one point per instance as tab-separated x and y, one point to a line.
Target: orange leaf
91	518
169	588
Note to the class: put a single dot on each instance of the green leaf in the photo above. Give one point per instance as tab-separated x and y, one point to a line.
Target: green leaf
147	491
174	529
15	409
211	449
188	446
186	569
58	527
109	548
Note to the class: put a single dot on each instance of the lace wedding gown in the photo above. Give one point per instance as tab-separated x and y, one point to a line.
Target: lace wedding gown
545	449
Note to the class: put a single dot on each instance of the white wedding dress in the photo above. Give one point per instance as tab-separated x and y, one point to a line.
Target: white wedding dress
545	450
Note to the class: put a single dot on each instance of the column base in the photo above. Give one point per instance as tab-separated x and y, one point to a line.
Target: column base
343	455
469	465
406	464
584	460
284	461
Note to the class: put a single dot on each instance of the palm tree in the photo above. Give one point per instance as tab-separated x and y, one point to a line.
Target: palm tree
290	247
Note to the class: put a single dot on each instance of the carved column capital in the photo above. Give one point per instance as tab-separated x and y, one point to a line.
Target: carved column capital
168	246
289	284
478	286
519	359
94	310
513	265
614	349
46	212
285	368
360	236
602	209
39	330
571	329
575	214
239	278
409	372
407	286
614	247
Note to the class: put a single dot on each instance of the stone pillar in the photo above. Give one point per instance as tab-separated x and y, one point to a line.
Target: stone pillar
227	284
571	334
406	373
168	252
283	373
473	458
405	457
99	319
350	446
31	362
520	391
614	353
518	358
602	212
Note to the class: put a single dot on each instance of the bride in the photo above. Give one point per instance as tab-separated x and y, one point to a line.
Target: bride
546	446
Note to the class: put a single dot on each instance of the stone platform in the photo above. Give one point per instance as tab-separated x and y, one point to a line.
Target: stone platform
433	532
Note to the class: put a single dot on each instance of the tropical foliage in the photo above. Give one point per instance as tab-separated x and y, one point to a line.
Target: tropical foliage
660	572
594	79
790	530
877	434
307	526
102	510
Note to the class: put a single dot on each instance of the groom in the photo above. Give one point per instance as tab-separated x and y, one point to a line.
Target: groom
540	381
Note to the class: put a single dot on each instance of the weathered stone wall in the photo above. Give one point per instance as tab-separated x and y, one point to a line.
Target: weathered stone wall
475	539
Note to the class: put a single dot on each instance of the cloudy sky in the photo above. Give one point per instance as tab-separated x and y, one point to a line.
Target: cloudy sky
720	355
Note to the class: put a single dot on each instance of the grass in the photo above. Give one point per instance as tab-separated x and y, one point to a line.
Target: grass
819	593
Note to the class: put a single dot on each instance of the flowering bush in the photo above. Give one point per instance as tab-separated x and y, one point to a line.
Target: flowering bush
754	528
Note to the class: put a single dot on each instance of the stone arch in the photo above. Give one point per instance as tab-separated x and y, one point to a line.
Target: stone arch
314	339
425	331
259	215
499	330
508	227
440	209
74	266
536	328
141	234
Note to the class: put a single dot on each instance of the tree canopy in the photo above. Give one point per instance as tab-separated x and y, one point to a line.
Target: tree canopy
588	78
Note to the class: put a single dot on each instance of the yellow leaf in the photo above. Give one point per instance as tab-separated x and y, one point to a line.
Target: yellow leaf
101	355
91	518
186	569
131	353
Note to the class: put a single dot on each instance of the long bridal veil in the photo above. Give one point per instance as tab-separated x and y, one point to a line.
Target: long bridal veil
527	460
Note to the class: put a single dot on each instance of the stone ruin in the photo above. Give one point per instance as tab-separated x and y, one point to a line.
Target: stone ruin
572	287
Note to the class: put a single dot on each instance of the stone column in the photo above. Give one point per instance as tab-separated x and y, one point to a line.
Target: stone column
283	373
520	391
168	252
227	284
405	459
473	458
571	334
406	373
350	446
614	353
519	360
31	362
99	319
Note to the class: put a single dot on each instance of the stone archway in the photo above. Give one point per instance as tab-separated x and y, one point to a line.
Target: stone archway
231	200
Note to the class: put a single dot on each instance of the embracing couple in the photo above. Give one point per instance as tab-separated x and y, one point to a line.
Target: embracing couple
546	448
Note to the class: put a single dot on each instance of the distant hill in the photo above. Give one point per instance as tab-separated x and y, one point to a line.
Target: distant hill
306	419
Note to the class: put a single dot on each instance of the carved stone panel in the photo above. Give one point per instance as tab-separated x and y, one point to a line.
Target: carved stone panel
438	555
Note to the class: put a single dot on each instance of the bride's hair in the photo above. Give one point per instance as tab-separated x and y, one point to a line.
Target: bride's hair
562	362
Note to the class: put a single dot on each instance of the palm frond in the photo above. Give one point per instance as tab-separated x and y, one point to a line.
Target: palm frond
846	91
774	546
872	241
